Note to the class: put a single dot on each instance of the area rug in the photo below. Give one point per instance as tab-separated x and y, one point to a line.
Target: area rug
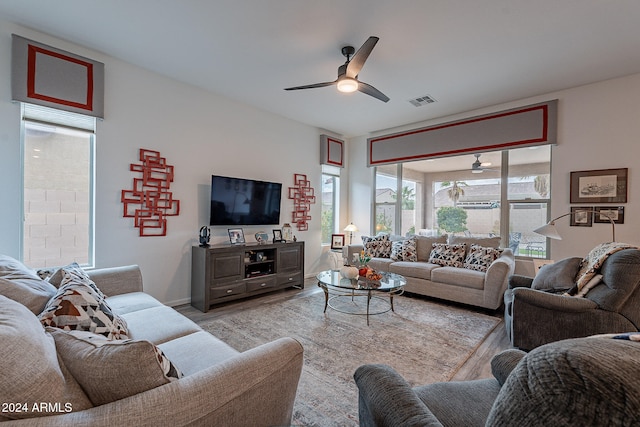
424	341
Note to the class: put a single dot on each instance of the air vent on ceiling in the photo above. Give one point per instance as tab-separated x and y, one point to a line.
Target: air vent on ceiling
422	100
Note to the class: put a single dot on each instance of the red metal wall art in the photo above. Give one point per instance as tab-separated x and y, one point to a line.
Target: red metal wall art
150	201
303	196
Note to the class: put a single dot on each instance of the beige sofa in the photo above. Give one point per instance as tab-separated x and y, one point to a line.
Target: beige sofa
220	386
463	285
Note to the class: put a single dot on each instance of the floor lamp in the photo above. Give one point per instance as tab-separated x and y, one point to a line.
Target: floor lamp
351	228
549	230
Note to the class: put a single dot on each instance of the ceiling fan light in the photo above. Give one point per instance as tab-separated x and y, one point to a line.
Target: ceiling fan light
347	85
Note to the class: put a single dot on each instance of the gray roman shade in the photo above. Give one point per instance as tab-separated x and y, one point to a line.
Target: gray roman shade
331	151
520	127
44	75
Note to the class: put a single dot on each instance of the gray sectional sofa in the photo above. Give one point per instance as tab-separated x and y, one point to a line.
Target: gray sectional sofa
219	385
463	285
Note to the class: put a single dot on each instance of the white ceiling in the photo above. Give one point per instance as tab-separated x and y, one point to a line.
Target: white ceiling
467	54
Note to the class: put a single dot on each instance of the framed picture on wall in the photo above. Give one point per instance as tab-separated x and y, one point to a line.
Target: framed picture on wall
581	217
603	213
599	186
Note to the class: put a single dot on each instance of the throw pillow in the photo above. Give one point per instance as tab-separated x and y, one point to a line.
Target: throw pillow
23	285
404	250
32	372
424	244
112	370
595	280
78	306
377	246
480	258
448	255
560	275
594	260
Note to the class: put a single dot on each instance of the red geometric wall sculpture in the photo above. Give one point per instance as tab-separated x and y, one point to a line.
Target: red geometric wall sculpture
303	196
150	201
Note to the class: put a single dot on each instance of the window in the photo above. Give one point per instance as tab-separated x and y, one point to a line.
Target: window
450	195
58	159
330	212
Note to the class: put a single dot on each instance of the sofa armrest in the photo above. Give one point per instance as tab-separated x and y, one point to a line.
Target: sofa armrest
257	387
503	363
386	399
117	280
496	279
549	301
520	281
349	250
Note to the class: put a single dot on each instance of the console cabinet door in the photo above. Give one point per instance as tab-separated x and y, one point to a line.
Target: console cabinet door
290	258
226	266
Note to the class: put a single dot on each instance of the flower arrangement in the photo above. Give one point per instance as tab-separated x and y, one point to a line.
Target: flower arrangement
364	258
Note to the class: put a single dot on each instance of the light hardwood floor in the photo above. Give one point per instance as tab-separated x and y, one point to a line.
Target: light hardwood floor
477	365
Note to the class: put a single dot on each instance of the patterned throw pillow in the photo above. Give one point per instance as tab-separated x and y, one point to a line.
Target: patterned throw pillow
480	258
112	370
594	260
404	250
378	246
448	255
79	305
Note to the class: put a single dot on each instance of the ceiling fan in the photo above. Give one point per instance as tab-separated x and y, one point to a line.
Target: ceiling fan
347	80
478	166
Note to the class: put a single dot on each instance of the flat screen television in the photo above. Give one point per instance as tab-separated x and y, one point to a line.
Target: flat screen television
237	201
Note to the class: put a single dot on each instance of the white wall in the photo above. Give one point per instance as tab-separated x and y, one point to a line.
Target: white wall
198	132
598	128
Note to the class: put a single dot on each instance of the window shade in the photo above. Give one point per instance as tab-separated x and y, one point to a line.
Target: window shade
39	114
51	77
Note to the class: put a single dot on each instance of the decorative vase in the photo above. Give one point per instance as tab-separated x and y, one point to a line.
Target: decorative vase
349	272
287	232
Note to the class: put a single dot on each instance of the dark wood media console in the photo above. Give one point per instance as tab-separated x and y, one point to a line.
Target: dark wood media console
228	272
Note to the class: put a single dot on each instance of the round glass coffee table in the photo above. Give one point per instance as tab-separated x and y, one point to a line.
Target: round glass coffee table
337	287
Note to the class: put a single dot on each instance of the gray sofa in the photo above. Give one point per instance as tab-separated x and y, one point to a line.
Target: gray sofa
577	382
477	288
537	312
220	386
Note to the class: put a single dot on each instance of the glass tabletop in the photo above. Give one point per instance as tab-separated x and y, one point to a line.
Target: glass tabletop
388	282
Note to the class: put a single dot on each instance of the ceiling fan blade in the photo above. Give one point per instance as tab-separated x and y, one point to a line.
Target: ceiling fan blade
370	90
357	61
311	86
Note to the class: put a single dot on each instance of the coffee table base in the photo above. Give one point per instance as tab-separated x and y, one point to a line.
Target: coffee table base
359	293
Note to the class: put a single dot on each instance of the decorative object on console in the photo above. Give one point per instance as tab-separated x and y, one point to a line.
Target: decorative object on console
287	232
303	196
599	186
150	201
205	236
277	236
236	235
549	230
351	228
262	237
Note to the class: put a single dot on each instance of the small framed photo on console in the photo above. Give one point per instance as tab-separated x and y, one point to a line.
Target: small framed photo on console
236	235
277	236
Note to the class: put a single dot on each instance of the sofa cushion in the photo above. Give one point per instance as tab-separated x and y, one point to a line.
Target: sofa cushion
33	373
78	305
132	301
459	277
424	245
23	285
557	276
158	324
380	264
480	258
197	351
377	246
418	270
110	370
404	250
447	255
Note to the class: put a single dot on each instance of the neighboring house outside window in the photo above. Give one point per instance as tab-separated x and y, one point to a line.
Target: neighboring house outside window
58	164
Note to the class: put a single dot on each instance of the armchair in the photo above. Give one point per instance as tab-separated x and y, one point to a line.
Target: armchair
534	317
577	382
